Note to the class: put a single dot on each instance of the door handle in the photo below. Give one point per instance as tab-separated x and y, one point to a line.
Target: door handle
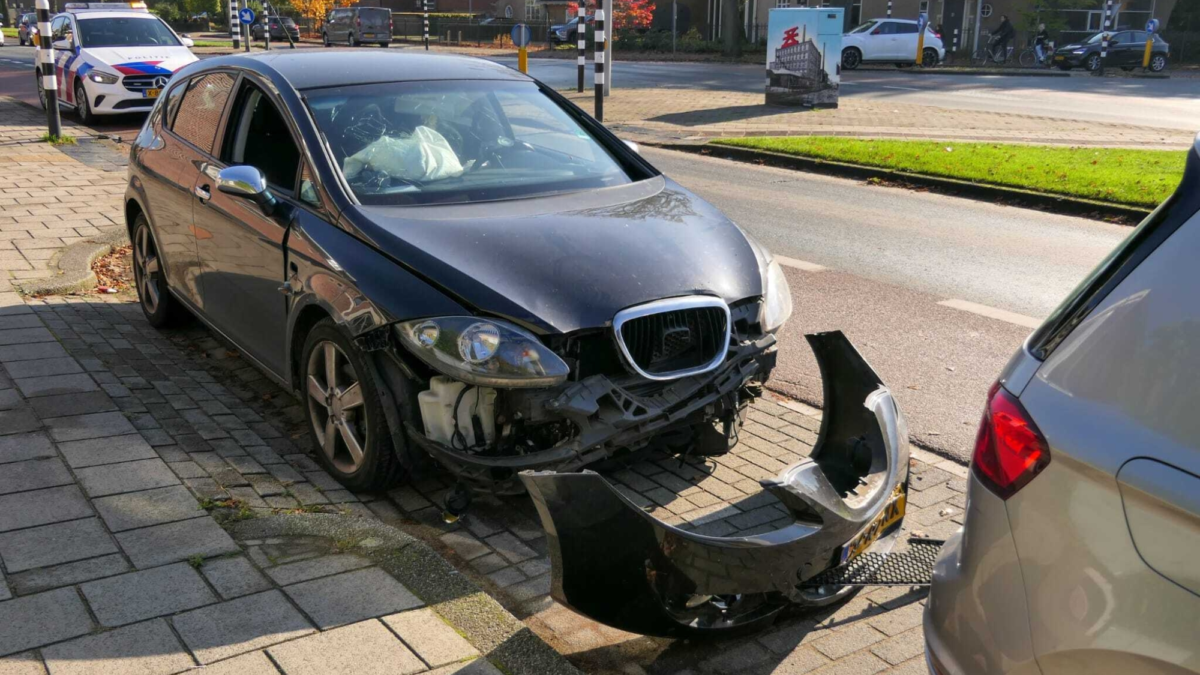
202	192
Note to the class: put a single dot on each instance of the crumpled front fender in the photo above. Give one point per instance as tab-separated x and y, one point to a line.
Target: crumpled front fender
619	565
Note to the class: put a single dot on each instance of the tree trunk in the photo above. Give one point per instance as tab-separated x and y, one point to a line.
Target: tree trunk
731	28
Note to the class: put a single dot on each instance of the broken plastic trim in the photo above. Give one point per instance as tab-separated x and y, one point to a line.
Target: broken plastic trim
617	564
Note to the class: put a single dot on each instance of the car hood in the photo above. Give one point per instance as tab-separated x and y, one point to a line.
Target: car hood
143	60
562	263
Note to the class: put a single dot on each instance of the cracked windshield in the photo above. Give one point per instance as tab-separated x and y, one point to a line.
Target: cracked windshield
458	141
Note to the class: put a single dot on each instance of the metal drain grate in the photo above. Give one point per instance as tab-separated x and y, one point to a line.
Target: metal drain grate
913	567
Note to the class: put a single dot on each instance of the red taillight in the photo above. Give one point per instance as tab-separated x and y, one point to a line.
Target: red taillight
1009	449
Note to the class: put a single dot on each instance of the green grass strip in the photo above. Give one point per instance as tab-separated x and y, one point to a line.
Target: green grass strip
1133	177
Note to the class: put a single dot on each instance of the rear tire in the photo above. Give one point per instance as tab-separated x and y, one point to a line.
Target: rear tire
979	58
851	58
376	467
929	58
1027	59
1158	63
160	307
325	40
350	41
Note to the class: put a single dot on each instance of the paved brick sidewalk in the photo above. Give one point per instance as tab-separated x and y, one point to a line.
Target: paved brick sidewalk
681	115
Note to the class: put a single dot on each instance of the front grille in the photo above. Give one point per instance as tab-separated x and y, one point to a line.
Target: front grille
132	103
139	83
684	337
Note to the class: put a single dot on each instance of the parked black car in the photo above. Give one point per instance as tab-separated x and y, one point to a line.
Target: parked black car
568	33
276	25
1126	49
449	262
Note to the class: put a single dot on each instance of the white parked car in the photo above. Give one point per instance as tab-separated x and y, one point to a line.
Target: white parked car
113	57
890	41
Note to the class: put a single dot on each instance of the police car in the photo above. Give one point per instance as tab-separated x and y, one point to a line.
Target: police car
112	57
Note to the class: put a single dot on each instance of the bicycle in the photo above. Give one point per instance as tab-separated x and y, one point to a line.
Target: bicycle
985	54
1029	58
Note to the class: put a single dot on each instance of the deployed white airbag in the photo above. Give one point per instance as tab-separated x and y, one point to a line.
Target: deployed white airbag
423	156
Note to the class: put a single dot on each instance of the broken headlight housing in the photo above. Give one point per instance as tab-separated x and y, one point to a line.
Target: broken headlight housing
483	352
777	299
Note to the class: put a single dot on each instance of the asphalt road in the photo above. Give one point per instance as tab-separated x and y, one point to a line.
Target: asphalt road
1169	103
887	258
893	260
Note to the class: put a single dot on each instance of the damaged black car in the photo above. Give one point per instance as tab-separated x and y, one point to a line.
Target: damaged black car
450	263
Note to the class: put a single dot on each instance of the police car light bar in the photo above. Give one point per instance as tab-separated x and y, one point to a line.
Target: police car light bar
81	6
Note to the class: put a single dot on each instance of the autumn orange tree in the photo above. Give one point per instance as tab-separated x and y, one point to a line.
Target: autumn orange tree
316	10
632	14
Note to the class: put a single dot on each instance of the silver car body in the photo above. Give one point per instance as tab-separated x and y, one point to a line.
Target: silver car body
1093	567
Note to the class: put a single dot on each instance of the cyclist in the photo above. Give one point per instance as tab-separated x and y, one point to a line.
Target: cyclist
1000	39
1039	42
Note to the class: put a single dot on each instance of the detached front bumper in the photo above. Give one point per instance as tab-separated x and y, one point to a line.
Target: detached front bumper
617	564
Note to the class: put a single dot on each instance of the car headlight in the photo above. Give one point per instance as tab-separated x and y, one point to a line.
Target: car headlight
100	77
1079	51
777	299
483	352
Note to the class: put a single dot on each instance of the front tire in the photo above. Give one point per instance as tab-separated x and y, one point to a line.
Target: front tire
851	58
1092	64
159	306
350	41
41	91
83	109
344	412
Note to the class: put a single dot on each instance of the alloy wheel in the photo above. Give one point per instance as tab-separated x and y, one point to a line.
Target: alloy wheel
147	269
850	59
1093	62
335	400
81	104
41	92
1158	63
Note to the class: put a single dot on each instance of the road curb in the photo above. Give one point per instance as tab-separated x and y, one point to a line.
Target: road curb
72	266
497	634
1070	206
966	71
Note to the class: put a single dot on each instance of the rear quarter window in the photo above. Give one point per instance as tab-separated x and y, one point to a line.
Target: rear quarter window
201	108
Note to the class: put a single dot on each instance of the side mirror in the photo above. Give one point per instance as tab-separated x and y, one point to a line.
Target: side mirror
187	42
632	146
249	183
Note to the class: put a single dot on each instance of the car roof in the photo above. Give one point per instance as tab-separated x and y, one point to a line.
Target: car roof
893	20
313	69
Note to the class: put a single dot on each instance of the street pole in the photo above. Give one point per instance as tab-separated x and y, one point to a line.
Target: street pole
46	60
581	37
425	9
978	23
1104	40
234	30
600	79
889	13
674	24
244	28
608	12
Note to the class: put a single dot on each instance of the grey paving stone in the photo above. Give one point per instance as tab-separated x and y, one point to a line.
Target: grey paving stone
161	544
476	667
136	596
285	474
36	620
96	425
308	494
510	547
265	485
145	649
254	663
234	577
109	479
10	399
244	464
54	544
22	336
41	507
466	546
489	563
366	648
20	447
353	596
56	384
72	404
506	577
430	637
19	321
45	578
188	470
324	566
18	421
27	663
96	451
220	631
148	507
30	352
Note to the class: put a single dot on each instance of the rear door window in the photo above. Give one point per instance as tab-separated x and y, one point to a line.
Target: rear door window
200	111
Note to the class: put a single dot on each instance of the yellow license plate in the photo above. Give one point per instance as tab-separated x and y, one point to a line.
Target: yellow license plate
153	93
890	515
1060	58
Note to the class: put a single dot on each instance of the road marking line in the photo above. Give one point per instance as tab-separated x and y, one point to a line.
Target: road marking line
992	312
884	86
799	264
